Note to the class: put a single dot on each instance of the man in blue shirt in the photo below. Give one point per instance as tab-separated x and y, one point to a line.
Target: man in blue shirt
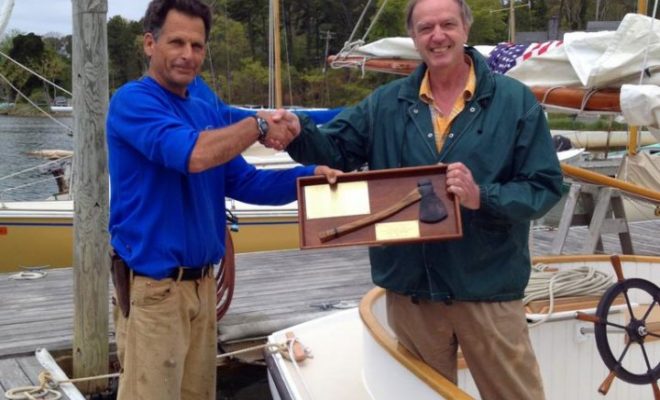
172	160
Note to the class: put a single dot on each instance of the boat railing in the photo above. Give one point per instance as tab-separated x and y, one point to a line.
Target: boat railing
435	381
59	168
625	187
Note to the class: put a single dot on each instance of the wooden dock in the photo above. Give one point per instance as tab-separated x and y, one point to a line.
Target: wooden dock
273	290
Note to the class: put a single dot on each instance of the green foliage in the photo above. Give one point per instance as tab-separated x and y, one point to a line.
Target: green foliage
392	21
570	122
488	27
249	83
40	56
124	51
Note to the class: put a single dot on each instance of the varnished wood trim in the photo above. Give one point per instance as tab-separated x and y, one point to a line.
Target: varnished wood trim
600	179
424	372
572	258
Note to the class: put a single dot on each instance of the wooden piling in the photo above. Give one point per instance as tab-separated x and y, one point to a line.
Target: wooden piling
90	191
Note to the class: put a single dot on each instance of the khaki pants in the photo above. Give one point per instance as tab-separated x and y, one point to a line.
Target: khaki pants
167	345
493	337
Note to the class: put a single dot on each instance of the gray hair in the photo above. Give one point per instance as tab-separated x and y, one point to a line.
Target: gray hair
466	13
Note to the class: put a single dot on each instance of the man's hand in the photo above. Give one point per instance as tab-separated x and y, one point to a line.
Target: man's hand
329	173
461	184
283	127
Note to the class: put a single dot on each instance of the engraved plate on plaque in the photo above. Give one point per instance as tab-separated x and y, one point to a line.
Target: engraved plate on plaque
349	198
397	230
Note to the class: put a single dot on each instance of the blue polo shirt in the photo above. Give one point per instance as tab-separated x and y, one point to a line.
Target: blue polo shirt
161	215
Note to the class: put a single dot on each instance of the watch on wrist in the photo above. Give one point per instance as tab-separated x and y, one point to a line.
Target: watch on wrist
262	127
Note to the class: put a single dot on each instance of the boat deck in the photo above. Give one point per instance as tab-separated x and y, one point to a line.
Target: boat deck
273	290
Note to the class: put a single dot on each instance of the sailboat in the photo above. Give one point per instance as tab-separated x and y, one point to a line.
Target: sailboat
354	354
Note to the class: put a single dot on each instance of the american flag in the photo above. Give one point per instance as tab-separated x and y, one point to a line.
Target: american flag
507	55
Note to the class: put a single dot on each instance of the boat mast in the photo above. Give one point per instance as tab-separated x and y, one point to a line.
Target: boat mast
275	69
512	21
633	131
91	263
5	13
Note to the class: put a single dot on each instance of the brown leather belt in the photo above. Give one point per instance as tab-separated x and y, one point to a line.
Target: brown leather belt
187	273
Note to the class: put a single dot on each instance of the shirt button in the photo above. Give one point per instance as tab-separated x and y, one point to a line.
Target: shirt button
451	135
415	111
430	135
472	109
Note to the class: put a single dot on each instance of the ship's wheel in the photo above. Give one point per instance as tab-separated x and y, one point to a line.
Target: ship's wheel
632	362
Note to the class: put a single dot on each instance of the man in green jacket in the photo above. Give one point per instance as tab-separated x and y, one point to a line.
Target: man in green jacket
493	135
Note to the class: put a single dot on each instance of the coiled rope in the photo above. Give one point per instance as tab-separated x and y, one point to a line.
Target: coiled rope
546	284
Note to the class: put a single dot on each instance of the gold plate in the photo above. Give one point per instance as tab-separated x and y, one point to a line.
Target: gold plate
345	199
397	230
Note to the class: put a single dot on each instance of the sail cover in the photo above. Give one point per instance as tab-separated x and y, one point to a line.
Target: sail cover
598	59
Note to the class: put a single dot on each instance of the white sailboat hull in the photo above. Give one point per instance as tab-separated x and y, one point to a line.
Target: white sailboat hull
352	361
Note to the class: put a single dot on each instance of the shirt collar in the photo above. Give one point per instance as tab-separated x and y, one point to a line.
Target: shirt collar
426	95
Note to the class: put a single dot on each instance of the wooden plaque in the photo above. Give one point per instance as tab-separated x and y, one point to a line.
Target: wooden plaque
359	195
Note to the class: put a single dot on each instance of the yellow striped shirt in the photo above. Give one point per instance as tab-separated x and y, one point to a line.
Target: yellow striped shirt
442	123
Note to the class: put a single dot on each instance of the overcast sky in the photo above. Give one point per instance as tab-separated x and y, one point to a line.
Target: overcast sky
46	16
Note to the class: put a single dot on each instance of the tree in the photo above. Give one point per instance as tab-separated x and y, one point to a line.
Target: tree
124	53
391	21
28	50
488	27
228	46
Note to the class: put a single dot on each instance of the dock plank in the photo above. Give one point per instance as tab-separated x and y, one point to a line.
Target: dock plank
273	290
11	375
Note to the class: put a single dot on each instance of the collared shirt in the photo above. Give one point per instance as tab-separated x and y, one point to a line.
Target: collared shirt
442	123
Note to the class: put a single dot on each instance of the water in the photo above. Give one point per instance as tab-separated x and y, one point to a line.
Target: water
19	135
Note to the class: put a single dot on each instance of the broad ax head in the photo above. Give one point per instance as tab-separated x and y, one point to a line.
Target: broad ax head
431	208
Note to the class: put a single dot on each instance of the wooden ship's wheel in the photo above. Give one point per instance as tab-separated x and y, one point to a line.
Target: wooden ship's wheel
636	328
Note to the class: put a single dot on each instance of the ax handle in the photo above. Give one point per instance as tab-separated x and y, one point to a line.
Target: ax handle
341	230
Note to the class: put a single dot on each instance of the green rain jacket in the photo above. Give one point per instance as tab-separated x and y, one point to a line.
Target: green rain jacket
501	136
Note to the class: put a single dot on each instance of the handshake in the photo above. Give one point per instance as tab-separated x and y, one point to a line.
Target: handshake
283	127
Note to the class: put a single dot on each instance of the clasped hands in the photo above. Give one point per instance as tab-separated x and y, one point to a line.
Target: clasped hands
283	127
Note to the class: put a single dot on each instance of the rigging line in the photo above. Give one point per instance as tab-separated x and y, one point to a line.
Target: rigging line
648	43
373	21
216	89
357	25
36	74
288	60
214	81
33	168
351	45
62	124
227	57
11	189
271	56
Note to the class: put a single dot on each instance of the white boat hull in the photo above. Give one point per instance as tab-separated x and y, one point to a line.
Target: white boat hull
352	360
